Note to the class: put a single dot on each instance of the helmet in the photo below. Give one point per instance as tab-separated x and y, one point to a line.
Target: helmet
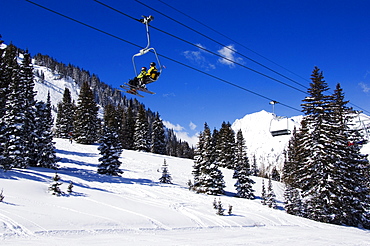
143	69
152	64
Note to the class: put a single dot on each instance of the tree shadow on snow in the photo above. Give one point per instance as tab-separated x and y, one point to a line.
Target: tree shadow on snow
74	153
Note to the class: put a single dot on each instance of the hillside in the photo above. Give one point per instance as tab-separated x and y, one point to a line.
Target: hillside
136	209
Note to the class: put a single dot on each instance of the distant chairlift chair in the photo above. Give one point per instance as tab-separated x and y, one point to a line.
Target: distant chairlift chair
279	125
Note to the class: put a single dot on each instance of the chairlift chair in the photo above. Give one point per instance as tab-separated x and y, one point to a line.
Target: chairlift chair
146	20
279	125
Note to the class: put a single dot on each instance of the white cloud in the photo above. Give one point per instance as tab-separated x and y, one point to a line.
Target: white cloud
169	125
182	134
192	126
365	87
198	57
229	53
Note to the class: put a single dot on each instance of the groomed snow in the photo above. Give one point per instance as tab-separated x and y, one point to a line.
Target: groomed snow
136	209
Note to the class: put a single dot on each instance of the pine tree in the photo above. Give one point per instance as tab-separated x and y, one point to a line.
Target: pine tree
263	194
270	196
329	173
70	187
141	134
225	146
158	136
86	122
254	171
242	169
45	154
13	130
166	176
27	80
64	121
110	151
128	129
207	177
293	201
55	186
220	209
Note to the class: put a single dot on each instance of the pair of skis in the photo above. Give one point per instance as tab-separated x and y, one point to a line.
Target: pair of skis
134	90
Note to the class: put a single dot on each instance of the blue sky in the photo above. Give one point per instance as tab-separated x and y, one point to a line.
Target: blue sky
293	35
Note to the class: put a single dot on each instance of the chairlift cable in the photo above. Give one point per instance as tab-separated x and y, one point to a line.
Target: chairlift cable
234	42
166	57
213	53
225	36
223	45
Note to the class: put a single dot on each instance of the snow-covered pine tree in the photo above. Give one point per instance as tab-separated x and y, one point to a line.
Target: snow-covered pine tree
254	169
110	151
275	175
64	121
332	178
242	169
27	77
2	195
141	134
207	177
220	209
225	146
86	122
54	187
45	154
293	203
166	176
4	84
158	136
111	117
128	129
316	182
263	194
70	187
270	196
350	200
13	130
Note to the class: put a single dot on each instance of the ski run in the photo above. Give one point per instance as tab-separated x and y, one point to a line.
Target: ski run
136	209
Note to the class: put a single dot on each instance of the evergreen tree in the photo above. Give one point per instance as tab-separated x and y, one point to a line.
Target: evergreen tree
220	209
86	122
254	169
207	177
55	186
141	134
110	151
166	176
225	149
70	187
158	136
13	130
242	169
64	121
275	175
45	154
293	202
329	173
270	196
111	117
27	80
128	129
263	194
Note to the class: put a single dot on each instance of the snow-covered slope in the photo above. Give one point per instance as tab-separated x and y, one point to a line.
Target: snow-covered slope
54	84
267	149
259	141
136	209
